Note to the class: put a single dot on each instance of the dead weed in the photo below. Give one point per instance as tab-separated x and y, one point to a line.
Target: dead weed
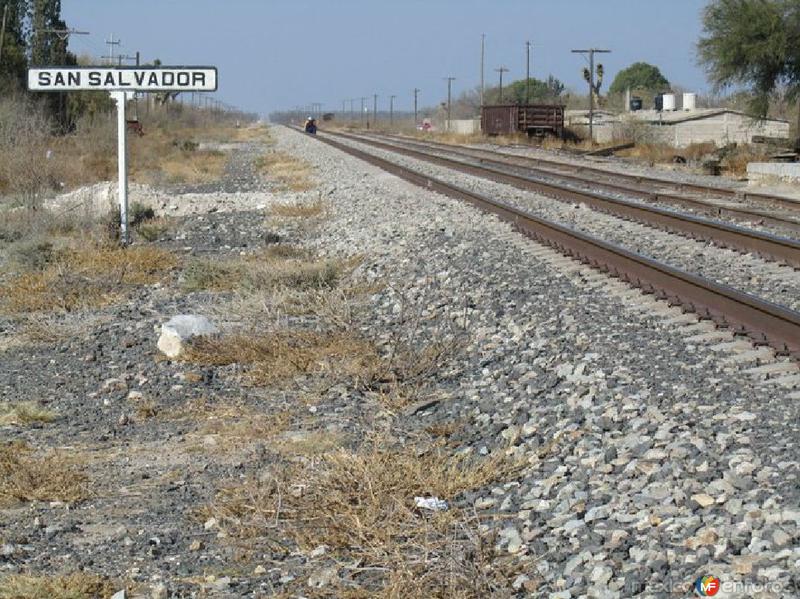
317	208
25	477
361	505
268	270
24	413
85	278
281	355
288	171
80	585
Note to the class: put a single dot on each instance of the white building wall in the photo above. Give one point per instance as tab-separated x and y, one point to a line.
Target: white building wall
465	126
723	129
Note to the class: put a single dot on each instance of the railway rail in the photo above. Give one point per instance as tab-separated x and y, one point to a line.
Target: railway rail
764	322
678	188
766	245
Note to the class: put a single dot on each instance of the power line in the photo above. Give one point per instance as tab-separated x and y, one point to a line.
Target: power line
591	52
111	43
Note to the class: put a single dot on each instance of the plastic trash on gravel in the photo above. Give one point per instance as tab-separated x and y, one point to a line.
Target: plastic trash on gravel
431	503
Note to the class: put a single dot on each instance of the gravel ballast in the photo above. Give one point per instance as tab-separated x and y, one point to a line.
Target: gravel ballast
650	457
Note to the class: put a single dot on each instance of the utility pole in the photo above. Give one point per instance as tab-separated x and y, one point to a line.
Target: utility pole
501	70
375	109
416	94
449	81
527	72
483	44
111	43
591	52
3	29
352	117
391	110
363	112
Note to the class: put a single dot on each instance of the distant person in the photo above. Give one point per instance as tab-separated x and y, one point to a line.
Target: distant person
311	126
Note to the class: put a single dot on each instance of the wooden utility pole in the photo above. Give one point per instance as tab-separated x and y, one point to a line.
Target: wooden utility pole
416	93
501	70
483	45
591	52
527	73
449	81
391	110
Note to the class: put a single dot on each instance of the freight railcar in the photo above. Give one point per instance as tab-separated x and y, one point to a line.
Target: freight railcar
532	119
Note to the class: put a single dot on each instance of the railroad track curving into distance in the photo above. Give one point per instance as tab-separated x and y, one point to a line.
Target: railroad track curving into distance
764	322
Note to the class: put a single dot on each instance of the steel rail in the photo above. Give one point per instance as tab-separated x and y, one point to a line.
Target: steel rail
772	247
782	201
763	321
570	172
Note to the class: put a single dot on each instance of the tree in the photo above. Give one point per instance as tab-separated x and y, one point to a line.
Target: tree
754	44
13	60
514	93
640	75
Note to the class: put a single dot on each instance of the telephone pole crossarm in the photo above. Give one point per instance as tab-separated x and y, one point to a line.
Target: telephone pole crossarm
591	52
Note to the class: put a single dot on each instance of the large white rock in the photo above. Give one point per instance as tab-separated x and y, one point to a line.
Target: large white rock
179	329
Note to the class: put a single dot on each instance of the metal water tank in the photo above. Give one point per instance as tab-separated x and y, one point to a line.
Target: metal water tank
689	101
669	102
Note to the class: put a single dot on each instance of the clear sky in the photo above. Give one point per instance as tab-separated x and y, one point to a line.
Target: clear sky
275	54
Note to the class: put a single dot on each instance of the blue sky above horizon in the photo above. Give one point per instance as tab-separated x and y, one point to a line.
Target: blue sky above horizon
277	54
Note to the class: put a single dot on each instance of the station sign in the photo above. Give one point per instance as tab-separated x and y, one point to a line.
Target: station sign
133	79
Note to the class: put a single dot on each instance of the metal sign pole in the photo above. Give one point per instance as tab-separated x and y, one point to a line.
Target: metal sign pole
122	163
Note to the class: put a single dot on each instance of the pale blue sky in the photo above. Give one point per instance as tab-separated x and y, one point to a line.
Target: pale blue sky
274	54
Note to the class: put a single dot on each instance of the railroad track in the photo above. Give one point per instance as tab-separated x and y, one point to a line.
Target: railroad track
765	245
670	191
764	322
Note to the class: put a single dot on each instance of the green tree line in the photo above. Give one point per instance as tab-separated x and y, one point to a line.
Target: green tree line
30	38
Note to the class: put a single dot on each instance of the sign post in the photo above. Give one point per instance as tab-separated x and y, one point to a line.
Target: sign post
122	163
121	83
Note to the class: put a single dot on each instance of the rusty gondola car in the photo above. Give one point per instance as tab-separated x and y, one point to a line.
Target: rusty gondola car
533	119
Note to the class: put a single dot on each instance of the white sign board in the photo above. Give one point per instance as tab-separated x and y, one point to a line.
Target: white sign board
133	79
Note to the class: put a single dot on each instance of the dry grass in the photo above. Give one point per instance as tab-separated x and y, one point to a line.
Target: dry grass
154	228
279	268
164	155
85	277
279	356
664	154
80	585
360	504
24	413
228	426
299	209
289	172
254	132
25	477
198	166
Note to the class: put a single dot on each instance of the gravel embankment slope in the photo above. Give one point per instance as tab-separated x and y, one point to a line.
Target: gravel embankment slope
650	457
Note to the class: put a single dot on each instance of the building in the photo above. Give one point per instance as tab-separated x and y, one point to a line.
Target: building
721	126
678	128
